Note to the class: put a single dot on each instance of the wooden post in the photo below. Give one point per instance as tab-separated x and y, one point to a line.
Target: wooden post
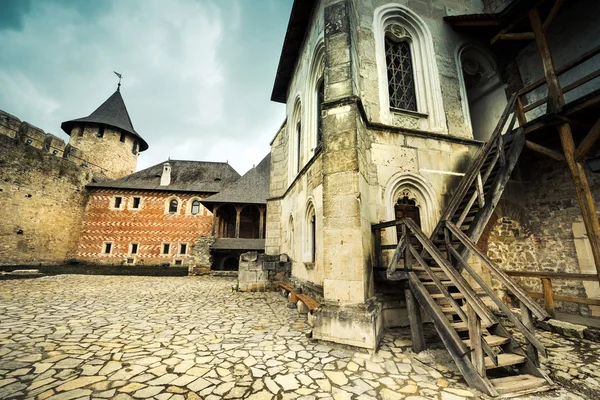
548	296
474	325
406	235
584	194
527	320
555	95
377	248
238	213
261	229
416	323
521	112
215	218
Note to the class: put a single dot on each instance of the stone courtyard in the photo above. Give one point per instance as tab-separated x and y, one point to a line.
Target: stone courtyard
83	337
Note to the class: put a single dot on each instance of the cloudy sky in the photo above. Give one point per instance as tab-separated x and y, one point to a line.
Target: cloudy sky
197	74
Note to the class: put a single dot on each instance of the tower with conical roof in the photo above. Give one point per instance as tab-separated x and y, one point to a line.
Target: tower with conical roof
106	140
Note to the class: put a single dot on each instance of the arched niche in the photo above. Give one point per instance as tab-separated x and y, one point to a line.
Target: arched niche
483	97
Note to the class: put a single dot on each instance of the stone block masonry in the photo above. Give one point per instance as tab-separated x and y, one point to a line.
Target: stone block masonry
42	203
261	272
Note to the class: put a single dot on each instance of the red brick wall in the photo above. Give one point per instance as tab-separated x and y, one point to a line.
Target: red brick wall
150	226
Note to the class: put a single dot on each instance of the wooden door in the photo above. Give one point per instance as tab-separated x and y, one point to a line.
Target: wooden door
406	208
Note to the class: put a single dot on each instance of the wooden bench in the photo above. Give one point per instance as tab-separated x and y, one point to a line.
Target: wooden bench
310	303
286	286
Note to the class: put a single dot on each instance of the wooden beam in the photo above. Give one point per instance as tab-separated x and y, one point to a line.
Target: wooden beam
517	36
568	299
555	155
416	322
554	275
553	13
584	194
586	144
548	297
474	326
555	96
528	322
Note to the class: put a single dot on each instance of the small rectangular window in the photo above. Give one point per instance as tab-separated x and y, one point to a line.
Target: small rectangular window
134	150
166	248
122	138
136	202
183	248
134	248
118	201
81	130
178	262
100	131
107	248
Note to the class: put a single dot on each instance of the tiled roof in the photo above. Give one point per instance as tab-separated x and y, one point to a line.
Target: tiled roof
186	176
113	113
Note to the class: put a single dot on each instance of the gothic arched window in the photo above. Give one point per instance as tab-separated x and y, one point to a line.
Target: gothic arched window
401	80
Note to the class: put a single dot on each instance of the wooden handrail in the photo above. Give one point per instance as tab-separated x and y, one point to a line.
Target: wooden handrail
498	273
461	284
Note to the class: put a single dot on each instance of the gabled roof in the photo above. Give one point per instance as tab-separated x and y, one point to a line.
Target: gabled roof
113	113
252	188
186	176
296	30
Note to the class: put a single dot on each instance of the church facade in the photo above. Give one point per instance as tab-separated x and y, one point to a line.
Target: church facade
388	104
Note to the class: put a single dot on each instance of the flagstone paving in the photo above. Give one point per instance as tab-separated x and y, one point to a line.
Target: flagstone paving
108	337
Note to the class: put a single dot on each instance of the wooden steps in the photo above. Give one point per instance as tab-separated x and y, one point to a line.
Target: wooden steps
443	296
492	340
519	384
505	360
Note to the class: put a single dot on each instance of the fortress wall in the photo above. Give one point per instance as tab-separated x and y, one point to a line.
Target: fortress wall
42	198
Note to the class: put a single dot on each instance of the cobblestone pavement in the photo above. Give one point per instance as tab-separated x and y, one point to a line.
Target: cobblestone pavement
82	337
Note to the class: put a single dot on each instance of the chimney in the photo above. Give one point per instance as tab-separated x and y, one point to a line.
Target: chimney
165	178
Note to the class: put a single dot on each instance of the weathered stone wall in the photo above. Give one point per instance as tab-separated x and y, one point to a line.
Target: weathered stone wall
495	5
541	238
150	226
42	202
114	158
202	258
33	136
262	272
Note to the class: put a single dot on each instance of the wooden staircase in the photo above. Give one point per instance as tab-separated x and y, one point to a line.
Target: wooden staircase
486	353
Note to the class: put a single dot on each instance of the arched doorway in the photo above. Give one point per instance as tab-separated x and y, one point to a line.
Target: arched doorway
407	208
482	91
231	263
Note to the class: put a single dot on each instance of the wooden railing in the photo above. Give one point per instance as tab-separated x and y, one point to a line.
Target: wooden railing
523	107
547	293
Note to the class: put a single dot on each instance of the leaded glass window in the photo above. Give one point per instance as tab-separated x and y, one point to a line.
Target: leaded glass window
401	80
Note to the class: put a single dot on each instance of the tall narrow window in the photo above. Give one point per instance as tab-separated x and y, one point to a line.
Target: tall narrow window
166	248
136	203
118	201
107	248
134	150
313	234
134	248
310	234
173	206
195	207
401	82
122	138
82	129
182	248
320	100
298	143
100	131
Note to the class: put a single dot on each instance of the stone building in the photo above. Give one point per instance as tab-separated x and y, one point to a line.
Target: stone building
152	217
395	108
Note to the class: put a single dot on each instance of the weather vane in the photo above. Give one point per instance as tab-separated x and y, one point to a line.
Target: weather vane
120	77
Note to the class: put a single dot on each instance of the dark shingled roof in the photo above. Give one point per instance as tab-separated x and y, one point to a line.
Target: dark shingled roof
186	176
112	113
252	188
238	244
299	18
